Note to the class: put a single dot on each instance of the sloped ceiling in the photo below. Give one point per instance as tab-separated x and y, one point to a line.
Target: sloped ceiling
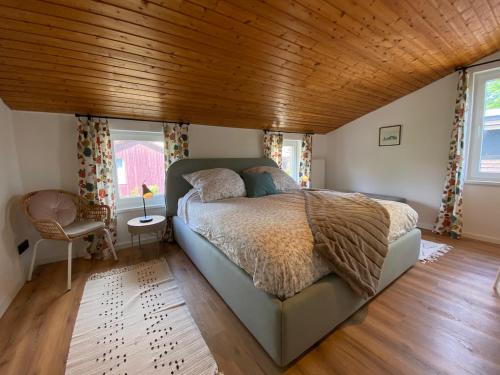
296	65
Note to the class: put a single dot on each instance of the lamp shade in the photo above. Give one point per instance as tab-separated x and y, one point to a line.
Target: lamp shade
146	193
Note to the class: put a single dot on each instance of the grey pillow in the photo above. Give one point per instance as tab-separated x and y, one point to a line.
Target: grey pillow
281	179
217	183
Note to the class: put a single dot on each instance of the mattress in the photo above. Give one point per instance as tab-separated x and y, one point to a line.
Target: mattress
269	237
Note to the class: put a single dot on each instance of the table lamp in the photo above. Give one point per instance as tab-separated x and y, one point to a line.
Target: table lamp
146	194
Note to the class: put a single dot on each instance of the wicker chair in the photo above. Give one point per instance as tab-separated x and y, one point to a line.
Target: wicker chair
63	216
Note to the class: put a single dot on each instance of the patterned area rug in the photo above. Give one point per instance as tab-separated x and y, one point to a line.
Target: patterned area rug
431	251
133	320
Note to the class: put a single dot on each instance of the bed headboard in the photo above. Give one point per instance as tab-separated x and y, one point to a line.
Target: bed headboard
177	187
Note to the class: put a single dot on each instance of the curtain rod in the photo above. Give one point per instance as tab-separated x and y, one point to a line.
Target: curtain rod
474	65
88	115
284	131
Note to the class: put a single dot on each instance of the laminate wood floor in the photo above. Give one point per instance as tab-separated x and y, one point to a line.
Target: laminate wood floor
437	318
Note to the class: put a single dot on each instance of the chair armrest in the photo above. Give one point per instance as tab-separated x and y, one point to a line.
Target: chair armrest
98	212
50	229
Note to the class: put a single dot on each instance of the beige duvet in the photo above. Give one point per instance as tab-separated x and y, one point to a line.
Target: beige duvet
270	238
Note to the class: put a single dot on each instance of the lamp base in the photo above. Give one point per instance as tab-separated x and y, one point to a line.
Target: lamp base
146	219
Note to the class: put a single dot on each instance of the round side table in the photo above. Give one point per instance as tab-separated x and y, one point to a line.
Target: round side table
135	227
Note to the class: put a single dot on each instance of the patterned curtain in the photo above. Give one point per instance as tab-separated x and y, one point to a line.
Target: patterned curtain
449	219
273	147
95	175
176	148
305	161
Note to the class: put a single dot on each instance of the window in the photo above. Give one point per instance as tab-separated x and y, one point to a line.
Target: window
138	158
484	149
291	158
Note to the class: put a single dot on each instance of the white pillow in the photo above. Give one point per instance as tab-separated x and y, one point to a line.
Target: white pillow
217	183
281	179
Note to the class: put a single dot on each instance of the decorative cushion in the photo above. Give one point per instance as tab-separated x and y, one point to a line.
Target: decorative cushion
217	183
258	184
281	179
83	227
52	205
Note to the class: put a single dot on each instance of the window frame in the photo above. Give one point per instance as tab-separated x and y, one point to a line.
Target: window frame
118	175
475	129
134	203
296	145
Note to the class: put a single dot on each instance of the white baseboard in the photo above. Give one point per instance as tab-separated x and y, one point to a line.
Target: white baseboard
423	225
481	237
4	305
473	236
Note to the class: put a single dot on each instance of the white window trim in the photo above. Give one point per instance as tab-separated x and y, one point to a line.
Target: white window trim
135	204
295	143
475	131
123	167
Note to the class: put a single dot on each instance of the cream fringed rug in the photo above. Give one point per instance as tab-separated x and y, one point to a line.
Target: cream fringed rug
431	251
133	320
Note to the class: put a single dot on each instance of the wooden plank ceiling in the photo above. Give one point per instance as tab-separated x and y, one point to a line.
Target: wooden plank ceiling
296	65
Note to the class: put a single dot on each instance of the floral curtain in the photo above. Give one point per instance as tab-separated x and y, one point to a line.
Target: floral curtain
305	161
273	147
449	219
176	148
95	175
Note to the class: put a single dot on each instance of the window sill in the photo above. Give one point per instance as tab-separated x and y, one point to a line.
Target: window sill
481	182
138	208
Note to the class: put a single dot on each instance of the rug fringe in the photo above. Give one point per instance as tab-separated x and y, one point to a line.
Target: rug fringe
437	254
114	271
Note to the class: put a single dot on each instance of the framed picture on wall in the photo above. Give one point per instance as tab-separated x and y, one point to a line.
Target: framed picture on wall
389	135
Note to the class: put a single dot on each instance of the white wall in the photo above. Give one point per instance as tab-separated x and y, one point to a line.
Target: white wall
11	270
416	169
220	142
46	148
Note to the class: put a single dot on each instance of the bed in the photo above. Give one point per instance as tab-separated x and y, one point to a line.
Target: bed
289	324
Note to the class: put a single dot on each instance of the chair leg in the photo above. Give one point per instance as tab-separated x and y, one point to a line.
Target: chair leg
70	260
32	265
109	240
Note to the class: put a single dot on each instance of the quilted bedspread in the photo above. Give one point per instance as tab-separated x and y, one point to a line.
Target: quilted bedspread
351	232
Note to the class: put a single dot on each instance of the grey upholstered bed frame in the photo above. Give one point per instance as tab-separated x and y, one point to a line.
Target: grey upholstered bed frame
284	328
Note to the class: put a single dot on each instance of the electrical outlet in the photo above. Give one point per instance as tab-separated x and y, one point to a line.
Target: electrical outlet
23	246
